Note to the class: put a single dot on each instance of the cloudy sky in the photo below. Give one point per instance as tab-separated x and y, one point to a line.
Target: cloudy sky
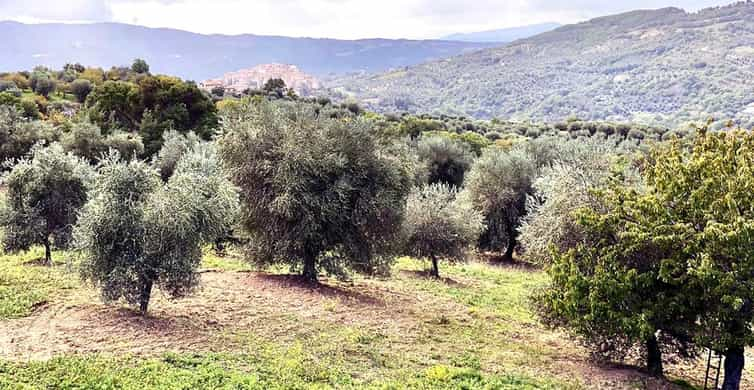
347	19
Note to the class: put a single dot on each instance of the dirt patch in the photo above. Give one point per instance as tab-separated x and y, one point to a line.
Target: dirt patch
268	305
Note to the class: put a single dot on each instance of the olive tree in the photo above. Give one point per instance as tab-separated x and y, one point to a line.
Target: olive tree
498	185
85	139
81	88
566	186
438	226
446	160
174	146
136	232
18	135
313	189
44	194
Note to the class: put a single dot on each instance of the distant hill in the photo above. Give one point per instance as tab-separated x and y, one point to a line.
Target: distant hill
199	57
658	66
503	35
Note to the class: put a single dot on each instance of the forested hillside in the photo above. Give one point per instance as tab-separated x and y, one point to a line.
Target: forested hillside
663	66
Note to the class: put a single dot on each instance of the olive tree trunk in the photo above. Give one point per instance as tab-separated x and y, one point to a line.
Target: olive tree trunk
734	365
512	235
146	294
310	268
654	357
435	272
48	252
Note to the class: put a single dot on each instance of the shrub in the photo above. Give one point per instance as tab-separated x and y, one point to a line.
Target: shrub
44	195
84	139
7	85
314	190
438	226
128	145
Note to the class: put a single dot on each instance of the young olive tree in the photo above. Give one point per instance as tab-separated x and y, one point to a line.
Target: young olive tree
498	185
136	232
44	194
313	188
439	226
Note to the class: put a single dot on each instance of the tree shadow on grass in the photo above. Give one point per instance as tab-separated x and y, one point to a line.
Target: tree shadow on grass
498	260
426	274
297	282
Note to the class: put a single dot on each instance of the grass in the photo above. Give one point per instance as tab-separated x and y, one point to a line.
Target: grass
474	329
25	286
288	370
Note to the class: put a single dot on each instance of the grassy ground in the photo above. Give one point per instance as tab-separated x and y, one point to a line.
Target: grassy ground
473	329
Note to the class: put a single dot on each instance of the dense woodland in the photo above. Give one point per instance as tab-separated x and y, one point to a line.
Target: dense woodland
138	173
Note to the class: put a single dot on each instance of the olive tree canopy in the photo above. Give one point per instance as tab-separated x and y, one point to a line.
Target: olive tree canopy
315	191
136	232
45	192
438	226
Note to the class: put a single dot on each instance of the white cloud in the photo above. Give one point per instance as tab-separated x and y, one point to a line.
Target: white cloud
331	18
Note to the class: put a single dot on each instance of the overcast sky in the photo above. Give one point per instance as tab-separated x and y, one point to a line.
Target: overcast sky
347	19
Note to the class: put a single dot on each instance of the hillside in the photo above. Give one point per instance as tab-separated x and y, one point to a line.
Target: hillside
199	57
504	34
660	66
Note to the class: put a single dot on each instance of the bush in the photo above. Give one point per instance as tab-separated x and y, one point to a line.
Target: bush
44	195
7	85
85	139
128	145
438	226
314	190
445	160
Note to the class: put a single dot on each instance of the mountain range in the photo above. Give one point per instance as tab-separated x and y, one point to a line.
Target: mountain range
502	35
198	57
664	66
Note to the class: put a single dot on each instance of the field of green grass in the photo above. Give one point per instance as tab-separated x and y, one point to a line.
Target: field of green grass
474	329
